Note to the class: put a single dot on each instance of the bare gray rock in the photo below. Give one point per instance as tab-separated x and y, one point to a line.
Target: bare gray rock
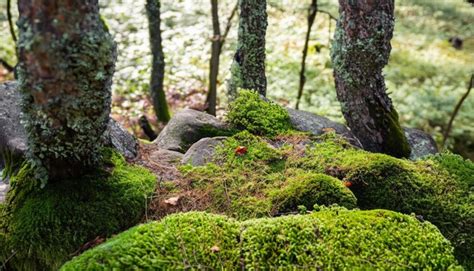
118	137
421	143
318	125
202	151
163	156
188	126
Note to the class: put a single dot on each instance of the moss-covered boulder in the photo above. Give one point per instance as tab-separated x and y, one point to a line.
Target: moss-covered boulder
438	188
253	177
248	178
331	239
44	227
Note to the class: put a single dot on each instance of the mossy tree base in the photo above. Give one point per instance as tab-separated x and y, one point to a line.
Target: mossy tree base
44	227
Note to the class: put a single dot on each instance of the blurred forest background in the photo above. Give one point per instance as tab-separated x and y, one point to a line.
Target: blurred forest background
426	75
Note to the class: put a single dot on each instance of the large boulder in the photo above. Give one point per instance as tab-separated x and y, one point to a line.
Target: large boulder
318	125
13	139
421	143
202	151
187	127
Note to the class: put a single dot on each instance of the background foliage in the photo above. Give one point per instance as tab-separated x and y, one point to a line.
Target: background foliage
425	76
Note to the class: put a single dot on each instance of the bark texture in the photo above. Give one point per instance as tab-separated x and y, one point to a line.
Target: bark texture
214	62
248	67
157	92
360	51
66	63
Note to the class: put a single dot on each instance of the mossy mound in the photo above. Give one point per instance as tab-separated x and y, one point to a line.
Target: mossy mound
250	112
276	176
257	183
44	227
439	188
331	239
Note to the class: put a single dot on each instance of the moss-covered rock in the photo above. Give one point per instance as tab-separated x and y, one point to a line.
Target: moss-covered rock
257	183
44	227
262	117
332	239
438	189
275	176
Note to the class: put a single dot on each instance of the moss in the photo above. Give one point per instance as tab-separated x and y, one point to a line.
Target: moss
44	227
250	112
429	188
332	239
307	189
183	241
258	183
458	167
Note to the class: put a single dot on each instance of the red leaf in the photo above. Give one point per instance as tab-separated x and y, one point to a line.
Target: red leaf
240	150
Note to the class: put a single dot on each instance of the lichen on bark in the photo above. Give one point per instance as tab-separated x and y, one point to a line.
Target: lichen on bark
360	51
248	67
66	63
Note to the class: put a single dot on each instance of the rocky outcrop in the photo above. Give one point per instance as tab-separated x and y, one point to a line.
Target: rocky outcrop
187	127
318	125
421	143
202	151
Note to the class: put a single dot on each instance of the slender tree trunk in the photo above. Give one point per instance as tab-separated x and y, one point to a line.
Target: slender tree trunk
66	63
248	67
312	11
215	53
158	63
360	51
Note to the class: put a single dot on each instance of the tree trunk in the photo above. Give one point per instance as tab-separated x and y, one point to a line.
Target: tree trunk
248	67
158	63
66	63
214	63
360	51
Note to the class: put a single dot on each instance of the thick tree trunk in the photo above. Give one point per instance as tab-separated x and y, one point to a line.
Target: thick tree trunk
360	51
248	67
66	63
158	63
214	63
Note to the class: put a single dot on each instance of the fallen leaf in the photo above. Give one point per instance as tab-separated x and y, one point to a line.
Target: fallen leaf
173	200
240	150
347	183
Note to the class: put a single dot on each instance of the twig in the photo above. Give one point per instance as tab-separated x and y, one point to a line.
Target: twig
10	20
229	24
328	13
312	11
456	111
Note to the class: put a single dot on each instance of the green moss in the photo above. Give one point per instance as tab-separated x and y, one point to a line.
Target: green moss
308	189
44	227
250	112
183	241
333	239
258	183
429	188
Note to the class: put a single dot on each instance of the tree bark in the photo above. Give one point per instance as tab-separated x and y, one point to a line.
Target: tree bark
360	51
214	63
158	63
66	63
248	67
